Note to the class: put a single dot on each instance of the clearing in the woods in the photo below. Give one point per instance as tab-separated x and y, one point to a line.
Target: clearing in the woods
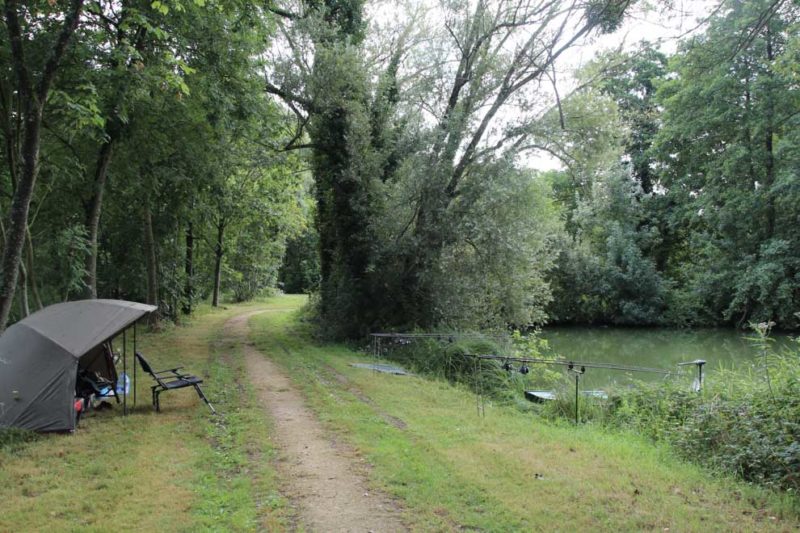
306	441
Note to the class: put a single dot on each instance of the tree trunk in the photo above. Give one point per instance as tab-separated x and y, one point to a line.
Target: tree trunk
218	253
30	272
188	291
9	134
114	132
24	308
769	164
150	257
93	215
33	97
18	216
430	233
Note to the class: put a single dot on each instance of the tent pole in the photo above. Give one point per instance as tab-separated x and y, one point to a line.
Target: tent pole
124	372
134	364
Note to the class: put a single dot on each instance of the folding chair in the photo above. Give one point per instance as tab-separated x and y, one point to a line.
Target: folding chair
171	380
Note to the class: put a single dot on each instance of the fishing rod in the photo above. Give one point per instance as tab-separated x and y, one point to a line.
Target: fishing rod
577	368
570	363
449	336
407	338
560	362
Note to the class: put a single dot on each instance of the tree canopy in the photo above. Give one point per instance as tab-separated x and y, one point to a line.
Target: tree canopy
384	158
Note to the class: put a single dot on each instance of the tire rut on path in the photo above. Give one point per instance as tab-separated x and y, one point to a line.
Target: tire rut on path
319	476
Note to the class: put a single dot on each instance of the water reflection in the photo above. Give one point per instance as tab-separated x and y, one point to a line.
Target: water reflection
657	348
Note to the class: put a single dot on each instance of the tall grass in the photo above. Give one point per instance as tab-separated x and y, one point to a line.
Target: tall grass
13	439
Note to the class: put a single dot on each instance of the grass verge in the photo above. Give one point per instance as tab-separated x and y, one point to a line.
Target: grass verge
178	470
453	469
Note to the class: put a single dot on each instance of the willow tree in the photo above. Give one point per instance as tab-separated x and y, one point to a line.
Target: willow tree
402	140
330	91
499	55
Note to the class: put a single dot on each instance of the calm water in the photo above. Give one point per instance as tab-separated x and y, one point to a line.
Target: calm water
655	348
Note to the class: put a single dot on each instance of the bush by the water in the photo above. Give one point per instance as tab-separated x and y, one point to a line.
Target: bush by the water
453	358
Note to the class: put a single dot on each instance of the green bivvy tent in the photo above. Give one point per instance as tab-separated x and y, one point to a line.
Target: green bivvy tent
40	357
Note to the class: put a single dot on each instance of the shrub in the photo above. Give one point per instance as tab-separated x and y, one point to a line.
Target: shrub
452	358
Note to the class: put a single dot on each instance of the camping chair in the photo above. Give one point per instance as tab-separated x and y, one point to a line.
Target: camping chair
97	378
91	386
170	380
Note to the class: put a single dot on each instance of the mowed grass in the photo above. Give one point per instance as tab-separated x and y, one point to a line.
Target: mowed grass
178	470
452	469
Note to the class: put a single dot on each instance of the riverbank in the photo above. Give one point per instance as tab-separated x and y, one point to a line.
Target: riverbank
420	441
426	445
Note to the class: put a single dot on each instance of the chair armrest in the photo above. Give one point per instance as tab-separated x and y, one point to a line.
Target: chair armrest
172	370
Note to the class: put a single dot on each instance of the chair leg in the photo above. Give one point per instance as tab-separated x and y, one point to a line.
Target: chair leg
203	397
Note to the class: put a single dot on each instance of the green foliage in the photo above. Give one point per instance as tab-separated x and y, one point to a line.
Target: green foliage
744	423
703	238
725	122
14	439
71	249
602	273
299	272
630	79
426	217
452	357
607	14
452	360
491	272
675	205
173	92
346	181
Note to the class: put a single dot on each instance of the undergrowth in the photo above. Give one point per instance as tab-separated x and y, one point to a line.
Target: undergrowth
455	358
744	422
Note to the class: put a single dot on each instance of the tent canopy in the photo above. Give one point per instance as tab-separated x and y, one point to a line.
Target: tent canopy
40	355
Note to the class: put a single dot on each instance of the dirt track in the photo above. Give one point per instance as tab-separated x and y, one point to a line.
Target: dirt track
321	477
